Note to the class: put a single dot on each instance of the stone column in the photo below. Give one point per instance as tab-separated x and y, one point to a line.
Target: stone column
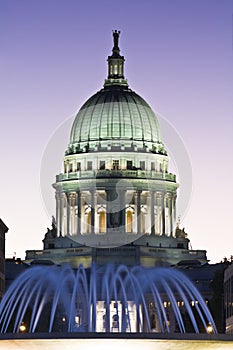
78	202
153	212
174	209
68	203
58	213
108	209
72	216
163	208
157	223
92	211
138	201
122	207
61	213
82	211
96	212
171	214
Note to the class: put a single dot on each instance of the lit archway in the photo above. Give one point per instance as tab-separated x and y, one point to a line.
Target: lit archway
102	222
129	221
89	222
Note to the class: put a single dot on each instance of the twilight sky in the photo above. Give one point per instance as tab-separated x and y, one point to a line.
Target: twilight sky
178	57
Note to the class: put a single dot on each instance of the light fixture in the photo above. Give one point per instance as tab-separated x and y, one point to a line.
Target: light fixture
209	328
22	328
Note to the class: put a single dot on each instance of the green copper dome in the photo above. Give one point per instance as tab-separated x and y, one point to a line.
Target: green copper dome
115	113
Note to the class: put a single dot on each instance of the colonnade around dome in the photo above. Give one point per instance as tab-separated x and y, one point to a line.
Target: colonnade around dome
132	212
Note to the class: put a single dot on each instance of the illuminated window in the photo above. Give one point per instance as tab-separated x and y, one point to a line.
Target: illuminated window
102	222
129	222
142	222
77	320
120	69
115	321
89	222
115	164
115	69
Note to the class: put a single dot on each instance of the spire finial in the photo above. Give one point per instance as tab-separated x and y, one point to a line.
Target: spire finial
116	64
116	34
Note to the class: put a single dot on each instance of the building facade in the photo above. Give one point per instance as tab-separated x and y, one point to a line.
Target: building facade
3	231
116	203
116	199
228	298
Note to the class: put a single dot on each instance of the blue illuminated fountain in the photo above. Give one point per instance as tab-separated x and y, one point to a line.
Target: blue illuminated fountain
103	299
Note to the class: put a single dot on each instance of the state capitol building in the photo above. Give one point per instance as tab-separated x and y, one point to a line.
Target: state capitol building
116	199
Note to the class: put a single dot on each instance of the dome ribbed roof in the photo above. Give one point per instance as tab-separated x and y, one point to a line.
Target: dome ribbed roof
115	113
112	113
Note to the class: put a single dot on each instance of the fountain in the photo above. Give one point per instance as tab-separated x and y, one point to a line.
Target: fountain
110	299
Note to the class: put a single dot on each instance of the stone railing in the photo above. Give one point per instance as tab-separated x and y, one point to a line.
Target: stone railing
117	173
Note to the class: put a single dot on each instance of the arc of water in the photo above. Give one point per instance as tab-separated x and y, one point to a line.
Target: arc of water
9	300
174	306
137	290
106	298
80	284
125	316
116	298
127	285
138	285
65	274
186	303
92	300
33	322
24	303
161	308
38	313
119	284
158	302
195	295
10	311
45	289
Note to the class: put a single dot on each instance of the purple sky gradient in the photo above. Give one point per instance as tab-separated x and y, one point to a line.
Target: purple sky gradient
178	57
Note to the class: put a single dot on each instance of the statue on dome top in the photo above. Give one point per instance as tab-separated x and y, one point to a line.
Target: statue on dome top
116	34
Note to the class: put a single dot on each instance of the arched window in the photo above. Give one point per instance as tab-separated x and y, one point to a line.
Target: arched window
102	222
115	69
115	321
89	222
129	221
